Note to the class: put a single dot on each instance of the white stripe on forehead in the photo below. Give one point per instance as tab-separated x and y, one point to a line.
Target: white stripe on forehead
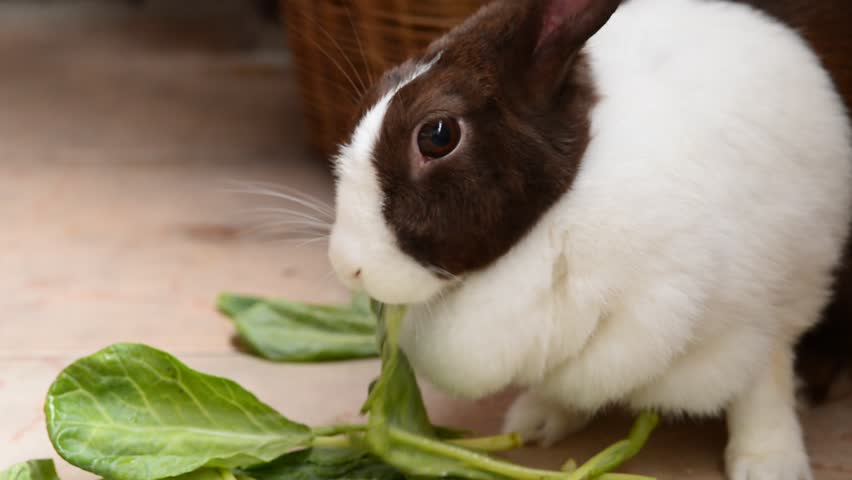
359	151
360	236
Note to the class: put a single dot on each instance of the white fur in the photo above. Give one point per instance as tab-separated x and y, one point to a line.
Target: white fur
694	247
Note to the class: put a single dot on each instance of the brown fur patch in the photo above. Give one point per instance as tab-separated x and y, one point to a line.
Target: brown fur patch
524	108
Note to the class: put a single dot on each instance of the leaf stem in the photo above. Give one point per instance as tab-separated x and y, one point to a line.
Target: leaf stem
332	442
623	476
614	456
597	467
472	459
226	474
334	437
569	466
497	443
334	430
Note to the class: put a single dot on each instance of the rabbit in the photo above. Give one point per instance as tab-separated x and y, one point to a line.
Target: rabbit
637	204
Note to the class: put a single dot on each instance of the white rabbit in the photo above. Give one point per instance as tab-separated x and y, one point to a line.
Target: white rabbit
640	208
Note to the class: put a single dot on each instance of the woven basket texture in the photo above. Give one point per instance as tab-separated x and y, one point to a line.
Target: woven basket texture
339	46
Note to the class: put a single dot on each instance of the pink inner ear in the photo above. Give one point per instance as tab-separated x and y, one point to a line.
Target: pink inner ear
557	14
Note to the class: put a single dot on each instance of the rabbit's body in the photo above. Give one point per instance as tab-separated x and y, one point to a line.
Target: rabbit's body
710	208
826	352
694	246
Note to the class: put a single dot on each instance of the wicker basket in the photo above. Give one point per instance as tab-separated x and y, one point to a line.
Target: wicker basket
361	38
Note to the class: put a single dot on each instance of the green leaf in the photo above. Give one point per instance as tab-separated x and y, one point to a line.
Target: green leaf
417	463
296	332
396	404
326	464
130	412
395	397
361	302
355	317
232	304
206	474
32	470
279	337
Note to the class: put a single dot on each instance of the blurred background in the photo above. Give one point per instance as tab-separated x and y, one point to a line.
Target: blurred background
139	143
130	132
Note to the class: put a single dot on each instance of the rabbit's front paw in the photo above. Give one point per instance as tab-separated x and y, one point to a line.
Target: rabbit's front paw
541	421
784	464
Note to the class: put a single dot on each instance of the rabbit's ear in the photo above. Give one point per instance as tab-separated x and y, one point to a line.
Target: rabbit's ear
546	43
565	25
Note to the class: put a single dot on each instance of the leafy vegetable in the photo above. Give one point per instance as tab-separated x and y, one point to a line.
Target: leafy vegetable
395	403
616	455
232	304
32	470
395	397
326	464
208	474
295	332
131	412
400	433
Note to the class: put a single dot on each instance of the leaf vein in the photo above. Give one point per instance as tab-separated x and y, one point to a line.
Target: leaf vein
139	390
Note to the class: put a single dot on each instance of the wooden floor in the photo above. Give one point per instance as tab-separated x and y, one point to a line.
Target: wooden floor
121	133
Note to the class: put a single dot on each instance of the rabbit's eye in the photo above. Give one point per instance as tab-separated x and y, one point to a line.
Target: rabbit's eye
438	138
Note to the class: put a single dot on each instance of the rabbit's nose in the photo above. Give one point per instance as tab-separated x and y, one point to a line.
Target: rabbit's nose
345	260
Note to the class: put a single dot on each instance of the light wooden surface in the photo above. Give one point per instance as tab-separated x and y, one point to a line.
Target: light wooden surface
119	135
